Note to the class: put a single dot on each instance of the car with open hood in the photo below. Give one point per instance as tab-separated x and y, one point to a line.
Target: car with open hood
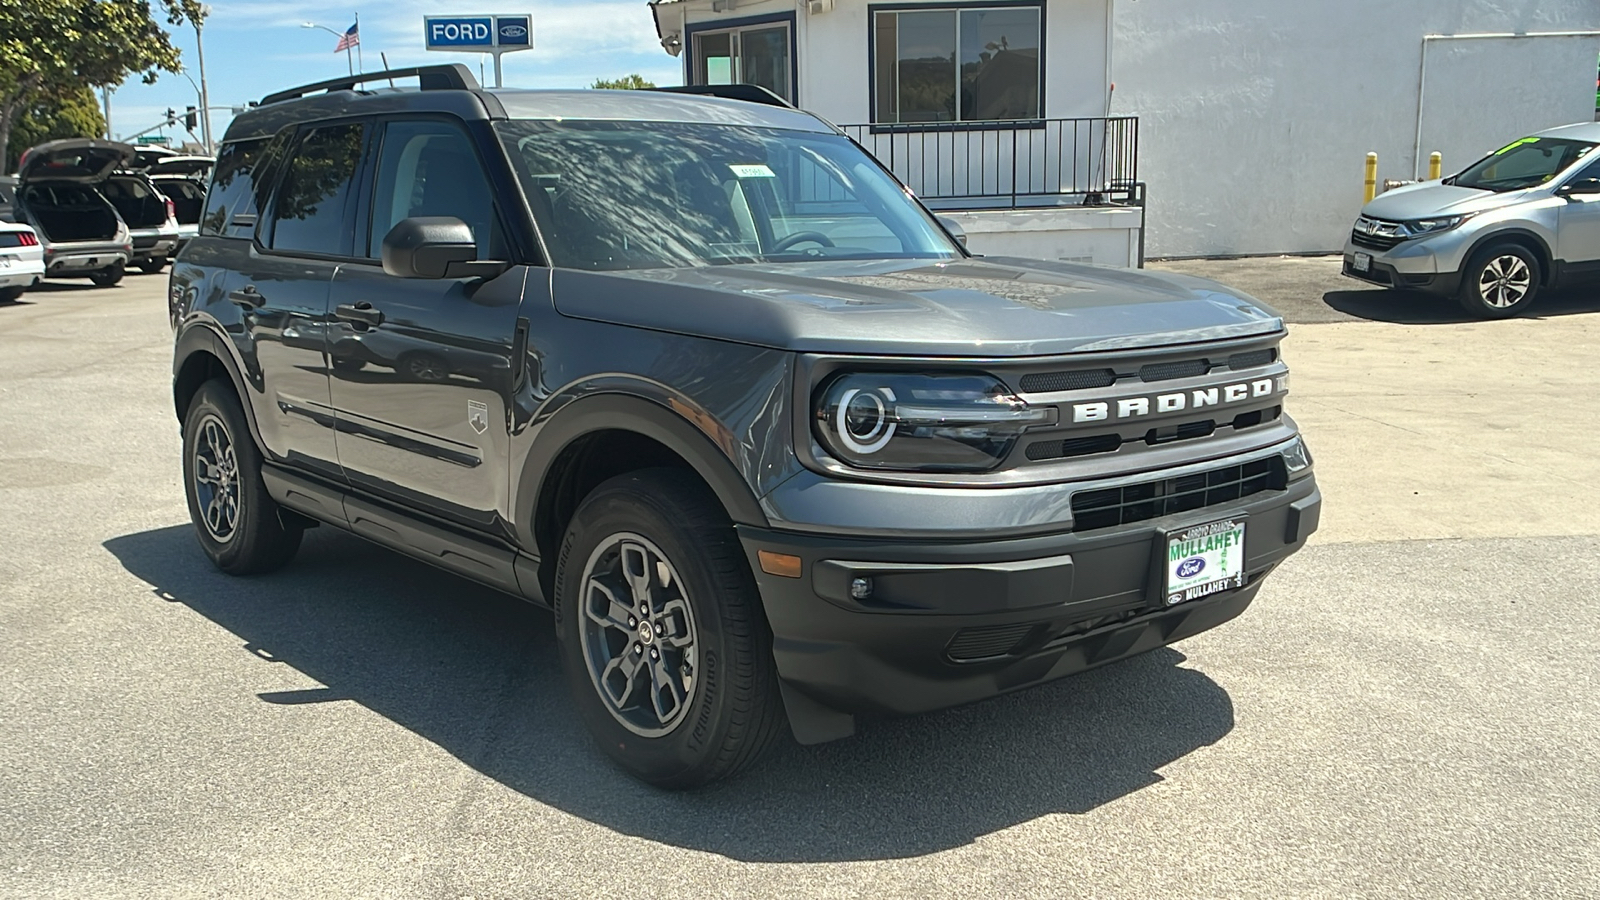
1494	235
715	388
58	194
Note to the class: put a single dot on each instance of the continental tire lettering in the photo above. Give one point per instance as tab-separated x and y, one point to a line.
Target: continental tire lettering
708	702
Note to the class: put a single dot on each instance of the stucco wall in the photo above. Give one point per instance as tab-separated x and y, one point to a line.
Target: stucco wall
1256	115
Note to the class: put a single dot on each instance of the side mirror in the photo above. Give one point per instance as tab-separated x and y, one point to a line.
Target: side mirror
435	247
1579	186
954	229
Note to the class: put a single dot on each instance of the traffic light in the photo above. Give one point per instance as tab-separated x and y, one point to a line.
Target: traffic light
191	117
172	116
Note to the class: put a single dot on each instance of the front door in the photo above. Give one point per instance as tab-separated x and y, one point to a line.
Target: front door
1579	238
421	368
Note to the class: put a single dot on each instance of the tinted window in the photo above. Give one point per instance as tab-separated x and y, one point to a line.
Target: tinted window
1526	163
232	188
957	65
309	212
430	169
631	195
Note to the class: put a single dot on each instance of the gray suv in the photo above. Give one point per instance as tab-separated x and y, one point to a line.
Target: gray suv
1525	217
706	381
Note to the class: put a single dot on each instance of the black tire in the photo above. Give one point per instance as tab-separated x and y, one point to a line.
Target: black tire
11	294
255	539
1500	281
108	276
348	364
730	712
152	266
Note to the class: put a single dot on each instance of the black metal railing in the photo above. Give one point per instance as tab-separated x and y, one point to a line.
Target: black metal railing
978	165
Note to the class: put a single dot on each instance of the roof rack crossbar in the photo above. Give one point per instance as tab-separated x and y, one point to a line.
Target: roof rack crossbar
750	93
453	76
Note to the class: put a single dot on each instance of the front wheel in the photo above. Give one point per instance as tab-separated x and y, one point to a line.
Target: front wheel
1499	281
662	637
108	276
237	522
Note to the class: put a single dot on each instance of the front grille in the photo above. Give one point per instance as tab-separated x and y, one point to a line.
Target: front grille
1100	443
1167	371
1050	382
1374	241
1252	359
987	641
1152	499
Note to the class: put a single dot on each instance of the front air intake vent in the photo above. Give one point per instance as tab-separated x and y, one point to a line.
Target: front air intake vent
987	641
1252	359
1051	382
1152	499
1189	368
1100	443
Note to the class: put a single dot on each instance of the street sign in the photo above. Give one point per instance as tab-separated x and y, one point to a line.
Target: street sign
159	140
479	34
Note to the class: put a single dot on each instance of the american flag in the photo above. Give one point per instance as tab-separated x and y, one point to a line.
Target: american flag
351	38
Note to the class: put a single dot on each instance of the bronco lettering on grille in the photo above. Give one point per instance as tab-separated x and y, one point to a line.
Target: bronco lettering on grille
1178	401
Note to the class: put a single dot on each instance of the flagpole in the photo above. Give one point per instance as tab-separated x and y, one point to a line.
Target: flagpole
359	64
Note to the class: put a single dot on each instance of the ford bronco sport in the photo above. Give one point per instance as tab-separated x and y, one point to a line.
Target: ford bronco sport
700	375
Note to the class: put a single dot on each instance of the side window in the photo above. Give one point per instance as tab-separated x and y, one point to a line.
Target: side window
308	214
232	188
430	169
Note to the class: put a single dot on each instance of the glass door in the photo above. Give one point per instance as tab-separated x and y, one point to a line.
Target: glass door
757	54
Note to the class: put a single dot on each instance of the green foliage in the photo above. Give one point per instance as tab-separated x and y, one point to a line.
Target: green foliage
53	115
58	46
633	82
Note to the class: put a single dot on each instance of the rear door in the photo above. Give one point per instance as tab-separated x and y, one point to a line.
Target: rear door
421	368
302	235
1579	237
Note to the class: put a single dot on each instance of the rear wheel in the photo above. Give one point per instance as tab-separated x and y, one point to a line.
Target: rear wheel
11	294
666	650
108	276
237	522
153	265
1500	281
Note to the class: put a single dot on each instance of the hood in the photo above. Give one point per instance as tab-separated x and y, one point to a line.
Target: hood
189	166
83	160
1435	198
991	307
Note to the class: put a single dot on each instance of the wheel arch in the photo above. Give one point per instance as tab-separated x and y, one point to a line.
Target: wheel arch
1526	238
603	435
200	356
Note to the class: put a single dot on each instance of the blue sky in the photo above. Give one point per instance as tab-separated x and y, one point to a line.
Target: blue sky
254	47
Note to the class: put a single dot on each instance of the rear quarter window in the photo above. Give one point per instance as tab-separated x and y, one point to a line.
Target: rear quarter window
233	188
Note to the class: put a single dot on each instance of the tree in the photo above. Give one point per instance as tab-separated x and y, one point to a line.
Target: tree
633	82
58	46
52	115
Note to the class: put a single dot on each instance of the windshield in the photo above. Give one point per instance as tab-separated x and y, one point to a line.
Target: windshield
638	195
1525	163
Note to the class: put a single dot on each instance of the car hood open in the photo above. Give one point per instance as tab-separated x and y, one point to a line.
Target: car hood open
991	307
84	160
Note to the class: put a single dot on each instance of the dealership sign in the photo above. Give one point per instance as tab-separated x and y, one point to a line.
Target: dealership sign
479	34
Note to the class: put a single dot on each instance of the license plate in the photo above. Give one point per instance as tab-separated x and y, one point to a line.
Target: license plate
1361	262
1204	560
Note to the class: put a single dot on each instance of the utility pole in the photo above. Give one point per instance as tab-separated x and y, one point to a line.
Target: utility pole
205	99
105	94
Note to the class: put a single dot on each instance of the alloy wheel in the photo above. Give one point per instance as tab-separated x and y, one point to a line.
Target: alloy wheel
216	479
638	634
1504	281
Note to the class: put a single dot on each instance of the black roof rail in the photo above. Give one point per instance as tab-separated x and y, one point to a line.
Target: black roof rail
750	93
450	77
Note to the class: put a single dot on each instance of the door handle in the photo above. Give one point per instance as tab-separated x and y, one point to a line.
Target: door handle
247	297
360	312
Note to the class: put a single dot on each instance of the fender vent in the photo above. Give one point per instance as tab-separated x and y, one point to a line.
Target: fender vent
1051	382
987	641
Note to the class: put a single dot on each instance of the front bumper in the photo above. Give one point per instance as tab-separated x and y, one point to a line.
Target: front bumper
951	623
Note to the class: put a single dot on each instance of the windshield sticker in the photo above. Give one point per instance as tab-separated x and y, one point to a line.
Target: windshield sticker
1515	144
752	171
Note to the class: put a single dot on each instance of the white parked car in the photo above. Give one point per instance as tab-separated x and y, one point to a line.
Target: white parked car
21	260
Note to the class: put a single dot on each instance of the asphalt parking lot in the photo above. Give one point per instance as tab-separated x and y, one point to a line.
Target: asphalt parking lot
1411	708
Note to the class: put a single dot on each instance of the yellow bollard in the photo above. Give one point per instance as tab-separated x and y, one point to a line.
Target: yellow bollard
1435	165
1372	176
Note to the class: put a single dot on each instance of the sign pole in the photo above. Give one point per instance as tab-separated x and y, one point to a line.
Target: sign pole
497	83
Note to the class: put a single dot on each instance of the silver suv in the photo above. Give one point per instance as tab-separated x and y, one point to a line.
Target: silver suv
1524	217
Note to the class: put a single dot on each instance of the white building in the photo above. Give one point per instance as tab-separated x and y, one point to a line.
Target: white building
1248	121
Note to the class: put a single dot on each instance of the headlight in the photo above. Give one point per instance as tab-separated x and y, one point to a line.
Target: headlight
1421	227
922	423
1296	457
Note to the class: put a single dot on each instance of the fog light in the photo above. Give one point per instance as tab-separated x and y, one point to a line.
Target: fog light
1296	457
861	588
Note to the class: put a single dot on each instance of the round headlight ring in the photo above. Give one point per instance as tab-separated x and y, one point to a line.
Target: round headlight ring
876	408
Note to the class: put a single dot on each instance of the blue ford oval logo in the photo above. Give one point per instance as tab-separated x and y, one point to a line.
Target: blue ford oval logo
512	31
1191	567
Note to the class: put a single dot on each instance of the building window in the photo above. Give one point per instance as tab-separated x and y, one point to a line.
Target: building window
952	64
752	54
